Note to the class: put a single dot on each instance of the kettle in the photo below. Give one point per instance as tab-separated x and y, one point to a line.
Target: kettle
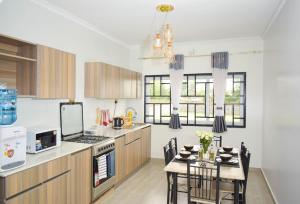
118	122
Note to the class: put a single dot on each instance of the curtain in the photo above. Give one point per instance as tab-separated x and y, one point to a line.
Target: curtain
176	77
220	66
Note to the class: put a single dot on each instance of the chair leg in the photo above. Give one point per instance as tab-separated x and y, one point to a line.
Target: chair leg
168	194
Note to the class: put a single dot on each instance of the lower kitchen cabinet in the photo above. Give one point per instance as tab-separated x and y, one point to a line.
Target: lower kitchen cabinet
132	151
33	196
146	144
81	174
65	180
132	156
57	190
120	158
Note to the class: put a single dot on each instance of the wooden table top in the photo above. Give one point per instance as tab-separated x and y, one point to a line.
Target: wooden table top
226	172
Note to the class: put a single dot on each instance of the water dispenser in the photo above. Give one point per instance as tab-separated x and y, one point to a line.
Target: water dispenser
8	106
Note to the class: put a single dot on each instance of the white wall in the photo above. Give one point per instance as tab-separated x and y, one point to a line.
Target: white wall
251	63
29	21
281	105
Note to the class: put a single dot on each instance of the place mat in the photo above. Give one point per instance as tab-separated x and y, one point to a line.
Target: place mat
178	159
228	163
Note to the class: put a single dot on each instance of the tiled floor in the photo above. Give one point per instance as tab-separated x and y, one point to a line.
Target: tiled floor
148	186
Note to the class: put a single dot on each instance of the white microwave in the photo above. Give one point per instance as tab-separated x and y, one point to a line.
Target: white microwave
40	139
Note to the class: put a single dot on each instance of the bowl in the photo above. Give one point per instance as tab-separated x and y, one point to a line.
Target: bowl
225	157
227	149
184	154
188	147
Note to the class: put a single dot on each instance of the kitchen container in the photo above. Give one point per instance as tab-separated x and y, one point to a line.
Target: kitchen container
8	106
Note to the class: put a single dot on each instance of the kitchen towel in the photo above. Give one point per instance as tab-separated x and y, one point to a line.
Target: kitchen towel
110	159
102	167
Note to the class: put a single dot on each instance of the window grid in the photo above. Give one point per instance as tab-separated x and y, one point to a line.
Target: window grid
188	79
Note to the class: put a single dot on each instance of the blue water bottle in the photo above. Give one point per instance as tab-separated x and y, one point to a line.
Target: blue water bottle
8	106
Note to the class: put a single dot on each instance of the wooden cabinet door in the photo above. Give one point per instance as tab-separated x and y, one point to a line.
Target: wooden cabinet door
125	83
146	144
132	156
45	72
120	158
71	79
23	180
55	73
33	196
128	80
90	78
139	85
57	190
112	81
133	80
81	174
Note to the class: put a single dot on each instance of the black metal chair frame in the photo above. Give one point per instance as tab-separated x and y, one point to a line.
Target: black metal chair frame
218	141
204	191
245	159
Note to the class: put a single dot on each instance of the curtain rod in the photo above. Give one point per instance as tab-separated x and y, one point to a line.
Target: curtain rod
207	55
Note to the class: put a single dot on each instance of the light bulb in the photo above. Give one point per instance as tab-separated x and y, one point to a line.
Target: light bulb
157	42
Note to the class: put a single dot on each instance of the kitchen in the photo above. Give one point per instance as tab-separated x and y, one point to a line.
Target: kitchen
106	68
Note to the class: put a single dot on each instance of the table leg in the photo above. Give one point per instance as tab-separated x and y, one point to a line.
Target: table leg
175	188
236	192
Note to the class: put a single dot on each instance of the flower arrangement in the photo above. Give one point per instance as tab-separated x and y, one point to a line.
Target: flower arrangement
205	139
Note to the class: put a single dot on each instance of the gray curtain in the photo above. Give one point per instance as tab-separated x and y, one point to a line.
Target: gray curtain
176	77
220	66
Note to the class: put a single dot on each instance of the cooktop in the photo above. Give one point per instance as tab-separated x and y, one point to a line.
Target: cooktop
88	139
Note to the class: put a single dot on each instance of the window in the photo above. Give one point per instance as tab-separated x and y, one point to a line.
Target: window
197	100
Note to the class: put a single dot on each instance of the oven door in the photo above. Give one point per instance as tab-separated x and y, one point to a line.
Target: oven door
103	172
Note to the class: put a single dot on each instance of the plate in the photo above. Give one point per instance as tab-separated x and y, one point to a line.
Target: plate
232	161
178	157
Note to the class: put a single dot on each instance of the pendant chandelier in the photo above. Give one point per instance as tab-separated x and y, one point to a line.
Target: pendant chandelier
163	38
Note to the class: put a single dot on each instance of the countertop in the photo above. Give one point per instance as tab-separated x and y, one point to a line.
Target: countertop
66	148
114	133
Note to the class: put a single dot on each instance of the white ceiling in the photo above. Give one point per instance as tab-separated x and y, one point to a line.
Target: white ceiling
130	20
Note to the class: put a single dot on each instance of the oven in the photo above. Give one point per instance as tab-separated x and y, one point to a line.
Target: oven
103	171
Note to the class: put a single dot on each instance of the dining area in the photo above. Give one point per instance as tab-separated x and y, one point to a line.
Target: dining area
208	172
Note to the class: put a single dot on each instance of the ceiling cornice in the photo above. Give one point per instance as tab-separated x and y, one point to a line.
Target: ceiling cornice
62	12
274	17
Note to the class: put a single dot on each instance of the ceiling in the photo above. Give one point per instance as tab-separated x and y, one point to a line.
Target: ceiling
193	20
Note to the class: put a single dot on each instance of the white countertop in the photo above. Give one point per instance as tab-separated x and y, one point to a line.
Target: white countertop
110	132
66	148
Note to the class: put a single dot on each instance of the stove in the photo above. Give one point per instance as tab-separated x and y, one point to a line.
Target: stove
89	139
103	148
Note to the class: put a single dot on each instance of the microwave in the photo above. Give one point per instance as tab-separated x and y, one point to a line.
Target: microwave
42	139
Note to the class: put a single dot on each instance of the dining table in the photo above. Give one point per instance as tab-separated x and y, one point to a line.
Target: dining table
227	172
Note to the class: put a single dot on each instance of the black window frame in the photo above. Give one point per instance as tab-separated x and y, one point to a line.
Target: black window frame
195	124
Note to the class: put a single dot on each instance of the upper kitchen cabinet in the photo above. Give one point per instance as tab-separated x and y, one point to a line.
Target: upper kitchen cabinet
127	84
36	70
101	80
106	81
55	73
139	85
18	65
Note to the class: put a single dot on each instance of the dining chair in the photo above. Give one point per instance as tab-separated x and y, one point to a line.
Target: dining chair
168	154
173	145
209	190
228	187
243	148
245	157
218	141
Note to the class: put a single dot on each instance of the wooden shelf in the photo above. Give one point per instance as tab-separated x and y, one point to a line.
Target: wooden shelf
11	57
